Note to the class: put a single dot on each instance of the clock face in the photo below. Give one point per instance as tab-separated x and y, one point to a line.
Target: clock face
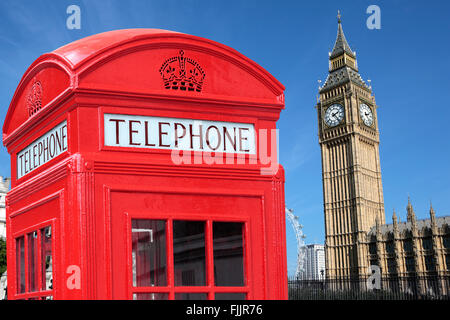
334	115
366	114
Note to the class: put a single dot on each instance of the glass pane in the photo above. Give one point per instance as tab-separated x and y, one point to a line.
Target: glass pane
20	264
230	296
228	254
46	258
149	252
189	253
150	296
191	296
32	261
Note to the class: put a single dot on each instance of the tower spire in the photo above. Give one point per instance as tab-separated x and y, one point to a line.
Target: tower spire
343	67
432	213
395	224
433	219
410	211
341	45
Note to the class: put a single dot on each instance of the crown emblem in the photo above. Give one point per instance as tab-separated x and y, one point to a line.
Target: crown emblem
34	98
181	73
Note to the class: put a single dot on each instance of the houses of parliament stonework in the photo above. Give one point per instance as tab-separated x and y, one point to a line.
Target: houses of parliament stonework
356	233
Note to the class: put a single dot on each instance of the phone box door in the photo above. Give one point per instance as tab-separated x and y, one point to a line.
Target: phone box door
182	244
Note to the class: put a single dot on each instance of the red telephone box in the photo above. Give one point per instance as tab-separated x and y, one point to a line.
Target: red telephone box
144	167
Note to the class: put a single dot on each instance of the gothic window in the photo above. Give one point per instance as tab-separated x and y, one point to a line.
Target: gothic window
446	239
427	232
429	263
390	247
390	236
407	245
427	243
391	265
410	264
373	246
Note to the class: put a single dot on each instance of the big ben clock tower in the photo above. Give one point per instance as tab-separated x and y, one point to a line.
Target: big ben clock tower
349	141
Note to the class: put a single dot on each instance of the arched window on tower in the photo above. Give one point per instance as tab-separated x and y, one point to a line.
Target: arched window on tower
410	264
408	249
446	242
390	247
407	241
373	245
429	263
446	239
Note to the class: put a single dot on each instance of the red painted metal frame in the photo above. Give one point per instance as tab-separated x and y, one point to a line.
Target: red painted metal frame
208	219
210	289
24	233
36	226
91	191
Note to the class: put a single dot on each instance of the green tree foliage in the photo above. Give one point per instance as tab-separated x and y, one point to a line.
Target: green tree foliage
2	256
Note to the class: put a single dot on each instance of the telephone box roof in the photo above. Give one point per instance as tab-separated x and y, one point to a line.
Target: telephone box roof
81	50
67	67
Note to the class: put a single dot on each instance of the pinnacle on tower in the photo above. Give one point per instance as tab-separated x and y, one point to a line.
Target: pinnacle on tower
341	45
343	67
395	223
377	223
409	211
431	208
432	213
378	227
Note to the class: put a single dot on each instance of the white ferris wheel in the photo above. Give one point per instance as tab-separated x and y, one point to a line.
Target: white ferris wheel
301	248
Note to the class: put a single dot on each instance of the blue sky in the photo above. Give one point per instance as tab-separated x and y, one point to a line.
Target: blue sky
407	61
